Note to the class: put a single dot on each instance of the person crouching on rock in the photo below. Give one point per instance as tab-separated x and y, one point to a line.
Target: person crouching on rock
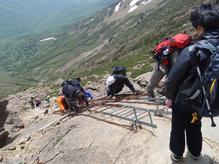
74	93
117	80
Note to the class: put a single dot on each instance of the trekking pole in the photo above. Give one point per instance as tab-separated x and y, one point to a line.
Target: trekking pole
206	99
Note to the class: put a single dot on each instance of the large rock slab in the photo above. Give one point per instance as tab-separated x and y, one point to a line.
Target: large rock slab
86	140
95	138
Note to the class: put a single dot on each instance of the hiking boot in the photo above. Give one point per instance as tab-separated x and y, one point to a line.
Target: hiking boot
150	94
175	157
194	157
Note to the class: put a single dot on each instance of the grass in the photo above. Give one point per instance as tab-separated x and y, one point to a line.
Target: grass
160	24
127	61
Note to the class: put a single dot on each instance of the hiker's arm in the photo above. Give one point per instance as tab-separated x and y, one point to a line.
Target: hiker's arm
177	74
129	84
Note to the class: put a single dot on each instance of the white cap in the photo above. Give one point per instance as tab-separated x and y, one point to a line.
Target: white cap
110	80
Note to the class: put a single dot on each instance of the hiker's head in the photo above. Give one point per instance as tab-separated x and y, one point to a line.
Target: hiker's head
205	18
119	70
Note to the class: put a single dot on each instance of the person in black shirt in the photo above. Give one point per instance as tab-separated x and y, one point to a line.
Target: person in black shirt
117	80
74	92
182	76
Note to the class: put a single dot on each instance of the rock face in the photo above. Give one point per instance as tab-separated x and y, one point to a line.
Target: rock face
92	138
86	139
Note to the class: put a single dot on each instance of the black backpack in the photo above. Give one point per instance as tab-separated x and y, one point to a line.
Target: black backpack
119	70
207	93
72	88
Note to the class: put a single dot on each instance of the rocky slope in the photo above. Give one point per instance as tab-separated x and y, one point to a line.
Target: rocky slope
95	137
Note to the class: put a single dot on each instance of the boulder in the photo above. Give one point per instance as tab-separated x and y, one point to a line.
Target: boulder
144	79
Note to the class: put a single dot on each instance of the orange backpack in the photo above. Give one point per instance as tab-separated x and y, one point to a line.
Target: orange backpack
60	101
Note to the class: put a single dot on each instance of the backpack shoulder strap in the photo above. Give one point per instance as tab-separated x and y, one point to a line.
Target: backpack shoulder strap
206	45
212	71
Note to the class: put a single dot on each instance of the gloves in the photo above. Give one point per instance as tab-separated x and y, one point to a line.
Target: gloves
169	103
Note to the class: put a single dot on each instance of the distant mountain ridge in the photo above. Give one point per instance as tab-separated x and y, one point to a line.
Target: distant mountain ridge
28	16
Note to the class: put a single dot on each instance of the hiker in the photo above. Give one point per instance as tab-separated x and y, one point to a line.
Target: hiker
117	80
181	79
73	93
37	103
165	54
32	103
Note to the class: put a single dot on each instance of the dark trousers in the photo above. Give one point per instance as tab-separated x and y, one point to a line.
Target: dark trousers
71	102
183	128
112	90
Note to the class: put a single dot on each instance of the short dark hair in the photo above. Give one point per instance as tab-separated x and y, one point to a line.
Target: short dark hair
207	16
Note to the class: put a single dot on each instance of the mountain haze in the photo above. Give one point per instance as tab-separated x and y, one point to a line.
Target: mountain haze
27	16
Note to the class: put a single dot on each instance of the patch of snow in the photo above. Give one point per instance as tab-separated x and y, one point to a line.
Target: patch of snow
144	3
133	3
48	39
133	8
117	7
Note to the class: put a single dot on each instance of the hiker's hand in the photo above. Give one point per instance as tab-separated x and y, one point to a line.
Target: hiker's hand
169	103
114	97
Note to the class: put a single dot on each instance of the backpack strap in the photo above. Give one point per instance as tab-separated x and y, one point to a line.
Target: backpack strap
212	86
214	58
207	45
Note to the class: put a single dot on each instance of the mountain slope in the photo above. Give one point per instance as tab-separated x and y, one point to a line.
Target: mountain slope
92	46
23	23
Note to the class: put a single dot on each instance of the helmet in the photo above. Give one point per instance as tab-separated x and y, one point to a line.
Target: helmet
119	70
